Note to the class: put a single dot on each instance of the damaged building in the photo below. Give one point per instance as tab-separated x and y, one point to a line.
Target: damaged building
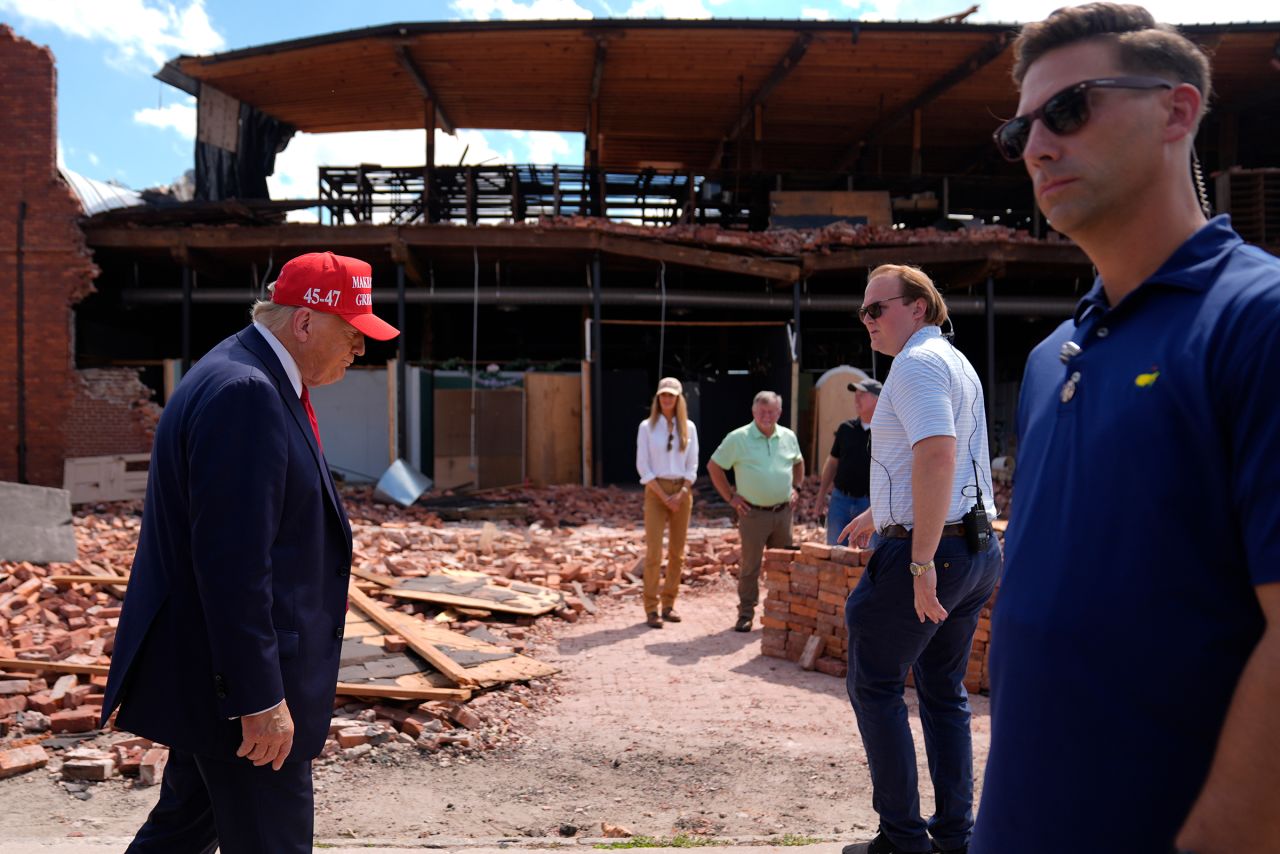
737	181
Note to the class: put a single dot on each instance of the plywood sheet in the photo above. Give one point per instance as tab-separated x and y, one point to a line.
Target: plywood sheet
833	404
460	588
553	428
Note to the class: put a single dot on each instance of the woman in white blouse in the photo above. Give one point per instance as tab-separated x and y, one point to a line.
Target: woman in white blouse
667	460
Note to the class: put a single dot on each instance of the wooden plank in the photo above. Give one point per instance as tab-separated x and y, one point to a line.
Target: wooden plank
588	604
553	435
409	629
403	692
588	476
88	579
689	256
54	666
812	649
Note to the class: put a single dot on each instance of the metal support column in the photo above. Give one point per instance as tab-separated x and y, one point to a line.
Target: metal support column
186	318
795	359
402	353
597	378
991	358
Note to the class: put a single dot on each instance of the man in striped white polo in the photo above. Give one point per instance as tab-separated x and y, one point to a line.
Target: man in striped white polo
917	605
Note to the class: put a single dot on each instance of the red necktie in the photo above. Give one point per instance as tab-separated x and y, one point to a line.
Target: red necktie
311	415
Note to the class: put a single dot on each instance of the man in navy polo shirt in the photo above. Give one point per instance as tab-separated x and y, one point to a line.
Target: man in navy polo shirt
1136	642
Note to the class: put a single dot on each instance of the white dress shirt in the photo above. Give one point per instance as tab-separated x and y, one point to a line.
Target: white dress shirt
654	460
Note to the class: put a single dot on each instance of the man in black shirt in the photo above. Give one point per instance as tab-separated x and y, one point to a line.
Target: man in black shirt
848	466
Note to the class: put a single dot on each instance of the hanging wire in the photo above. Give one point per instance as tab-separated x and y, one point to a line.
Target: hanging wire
475	329
662	316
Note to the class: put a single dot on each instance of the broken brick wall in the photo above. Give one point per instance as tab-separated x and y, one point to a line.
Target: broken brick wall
805	591
111	413
54	262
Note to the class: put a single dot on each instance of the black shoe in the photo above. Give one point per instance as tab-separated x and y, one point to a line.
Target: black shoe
670	616
879	845
743	624
963	849
652	620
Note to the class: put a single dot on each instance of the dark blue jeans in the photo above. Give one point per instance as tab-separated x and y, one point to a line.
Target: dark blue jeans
886	639
841	508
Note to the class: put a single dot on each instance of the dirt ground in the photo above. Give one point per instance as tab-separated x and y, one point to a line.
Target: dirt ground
688	729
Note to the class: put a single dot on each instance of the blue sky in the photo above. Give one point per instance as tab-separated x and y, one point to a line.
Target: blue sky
116	122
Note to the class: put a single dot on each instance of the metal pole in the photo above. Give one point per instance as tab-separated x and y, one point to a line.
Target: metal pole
186	318
991	357
402	411
597	377
19	304
795	360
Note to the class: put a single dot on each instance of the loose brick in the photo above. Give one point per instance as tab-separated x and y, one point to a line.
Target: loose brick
19	760
83	719
151	771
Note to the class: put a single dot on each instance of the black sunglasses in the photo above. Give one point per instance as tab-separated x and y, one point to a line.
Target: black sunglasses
671	437
1064	113
875	309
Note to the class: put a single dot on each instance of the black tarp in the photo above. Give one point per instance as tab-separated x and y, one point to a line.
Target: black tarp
221	174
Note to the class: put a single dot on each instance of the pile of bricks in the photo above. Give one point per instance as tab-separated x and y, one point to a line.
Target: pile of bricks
805	592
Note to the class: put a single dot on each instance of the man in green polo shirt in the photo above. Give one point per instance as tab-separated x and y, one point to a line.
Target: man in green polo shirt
767	469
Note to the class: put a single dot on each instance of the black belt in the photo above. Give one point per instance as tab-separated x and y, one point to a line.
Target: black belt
774	509
900	532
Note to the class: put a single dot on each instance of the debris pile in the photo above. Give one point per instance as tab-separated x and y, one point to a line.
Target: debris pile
794	241
438	617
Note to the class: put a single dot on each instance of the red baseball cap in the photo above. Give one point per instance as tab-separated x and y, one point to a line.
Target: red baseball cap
334	284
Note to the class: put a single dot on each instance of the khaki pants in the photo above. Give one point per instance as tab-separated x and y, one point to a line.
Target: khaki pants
657	516
759	529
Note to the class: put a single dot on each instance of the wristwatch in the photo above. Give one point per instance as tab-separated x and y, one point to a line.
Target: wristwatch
919	569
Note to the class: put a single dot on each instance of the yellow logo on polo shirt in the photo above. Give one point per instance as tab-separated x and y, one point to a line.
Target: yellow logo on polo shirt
1148	379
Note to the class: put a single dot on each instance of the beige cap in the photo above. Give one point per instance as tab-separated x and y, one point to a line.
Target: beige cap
670	384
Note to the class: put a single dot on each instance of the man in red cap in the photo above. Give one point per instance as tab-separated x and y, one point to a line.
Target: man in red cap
228	646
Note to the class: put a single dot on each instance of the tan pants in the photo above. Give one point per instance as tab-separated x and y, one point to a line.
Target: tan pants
759	529
657	516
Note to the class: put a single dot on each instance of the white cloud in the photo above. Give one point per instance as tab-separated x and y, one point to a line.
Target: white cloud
546	147
180	117
878	10
667	9
815	14
510	10
93	158
62	160
1169	11
144	34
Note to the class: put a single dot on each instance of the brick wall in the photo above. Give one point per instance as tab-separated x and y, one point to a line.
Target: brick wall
805	590
111	413
57	271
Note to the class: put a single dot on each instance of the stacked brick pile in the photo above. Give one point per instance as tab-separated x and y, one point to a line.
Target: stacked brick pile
803	621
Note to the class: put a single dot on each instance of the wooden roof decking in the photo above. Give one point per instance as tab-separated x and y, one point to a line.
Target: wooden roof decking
670	91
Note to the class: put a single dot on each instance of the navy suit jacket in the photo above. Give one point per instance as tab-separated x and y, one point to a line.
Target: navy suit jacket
237	597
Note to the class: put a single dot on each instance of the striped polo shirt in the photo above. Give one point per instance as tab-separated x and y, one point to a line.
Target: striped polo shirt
931	390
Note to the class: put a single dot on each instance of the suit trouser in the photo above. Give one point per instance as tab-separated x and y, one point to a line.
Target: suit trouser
229	804
657	516
886	639
758	529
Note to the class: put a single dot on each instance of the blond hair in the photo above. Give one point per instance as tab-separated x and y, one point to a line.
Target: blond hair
682	416
916	284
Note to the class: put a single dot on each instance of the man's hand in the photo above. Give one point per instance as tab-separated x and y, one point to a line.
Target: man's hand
795	496
858	532
737	502
926	596
268	736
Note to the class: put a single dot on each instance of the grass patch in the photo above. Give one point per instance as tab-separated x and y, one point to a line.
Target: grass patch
682	840
795	839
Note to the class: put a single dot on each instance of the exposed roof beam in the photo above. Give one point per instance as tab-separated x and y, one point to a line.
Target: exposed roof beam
961	72
602	51
442	118
785	66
